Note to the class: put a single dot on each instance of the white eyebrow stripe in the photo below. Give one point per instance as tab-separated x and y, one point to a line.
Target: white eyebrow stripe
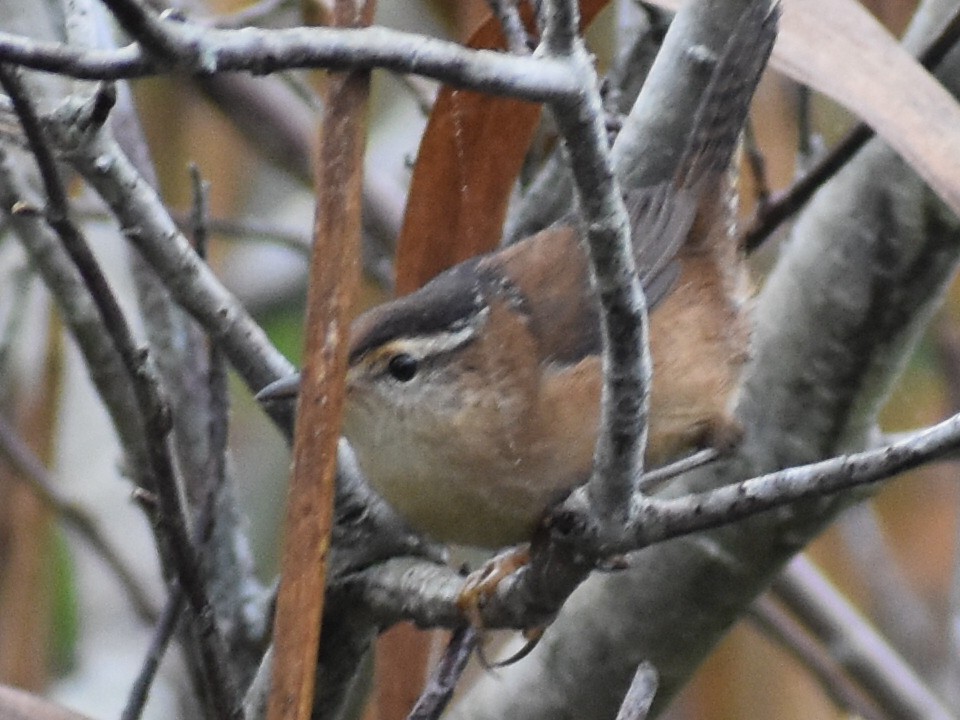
424	346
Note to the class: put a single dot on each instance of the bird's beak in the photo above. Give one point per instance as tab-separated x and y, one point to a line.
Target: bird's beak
283	389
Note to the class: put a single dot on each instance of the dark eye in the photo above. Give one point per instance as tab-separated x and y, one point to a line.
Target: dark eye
403	367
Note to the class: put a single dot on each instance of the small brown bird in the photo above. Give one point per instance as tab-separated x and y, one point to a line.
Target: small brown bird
473	403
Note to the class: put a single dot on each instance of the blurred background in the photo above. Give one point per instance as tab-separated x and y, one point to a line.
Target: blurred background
66	628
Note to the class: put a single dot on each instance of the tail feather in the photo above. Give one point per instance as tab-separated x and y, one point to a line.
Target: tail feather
726	100
667	216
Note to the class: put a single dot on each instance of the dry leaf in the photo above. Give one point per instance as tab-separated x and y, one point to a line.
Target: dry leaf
839	49
469	158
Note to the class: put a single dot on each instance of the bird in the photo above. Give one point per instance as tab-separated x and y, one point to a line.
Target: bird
473	403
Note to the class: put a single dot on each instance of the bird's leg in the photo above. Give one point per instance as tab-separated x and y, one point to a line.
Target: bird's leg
481	585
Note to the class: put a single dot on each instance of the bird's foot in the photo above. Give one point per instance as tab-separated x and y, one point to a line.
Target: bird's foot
481	585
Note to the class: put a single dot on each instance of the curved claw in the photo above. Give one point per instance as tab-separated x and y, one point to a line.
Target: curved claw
532	636
482	585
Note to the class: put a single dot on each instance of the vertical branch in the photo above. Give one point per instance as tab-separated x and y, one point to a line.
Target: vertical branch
618	460
334	275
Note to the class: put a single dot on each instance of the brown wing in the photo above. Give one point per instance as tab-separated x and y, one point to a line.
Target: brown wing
555	294
660	220
546	277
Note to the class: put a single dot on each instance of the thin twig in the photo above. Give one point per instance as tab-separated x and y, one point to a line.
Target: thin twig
512	25
643	689
147	28
162	635
860	649
166	626
198	221
150	229
660	519
805	136
443	681
173	538
758	166
775	622
653	479
31	471
786	205
219	411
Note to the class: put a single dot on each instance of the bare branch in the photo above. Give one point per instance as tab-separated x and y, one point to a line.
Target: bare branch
779	625
510	21
173	539
441	684
561	34
618	459
862	652
147	29
770	216
369	529
639	698
162	635
405	589
150	228
31	470
265	51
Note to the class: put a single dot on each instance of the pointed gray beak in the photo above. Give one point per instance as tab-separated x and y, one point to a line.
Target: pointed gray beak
282	389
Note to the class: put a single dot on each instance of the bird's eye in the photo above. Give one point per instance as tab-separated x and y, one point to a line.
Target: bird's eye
402	367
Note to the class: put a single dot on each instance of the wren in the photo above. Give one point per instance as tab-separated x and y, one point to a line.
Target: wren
473	403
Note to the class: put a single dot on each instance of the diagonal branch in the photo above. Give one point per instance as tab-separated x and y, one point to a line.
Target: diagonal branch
857	646
30	469
147	29
773	214
173	538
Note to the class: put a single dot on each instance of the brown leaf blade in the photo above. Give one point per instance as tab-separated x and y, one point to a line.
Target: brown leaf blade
334	278
469	158
839	49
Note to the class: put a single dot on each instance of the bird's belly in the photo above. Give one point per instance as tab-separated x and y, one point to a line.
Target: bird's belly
456	504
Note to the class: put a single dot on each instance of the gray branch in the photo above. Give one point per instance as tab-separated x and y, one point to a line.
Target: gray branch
149	227
205	51
862	652
408	589
622	439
